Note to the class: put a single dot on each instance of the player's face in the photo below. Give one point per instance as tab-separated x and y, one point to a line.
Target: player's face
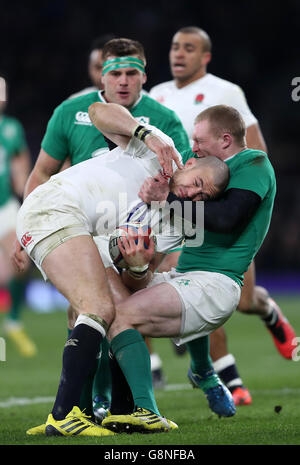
123	85
194	182
95	68
205	143
187	59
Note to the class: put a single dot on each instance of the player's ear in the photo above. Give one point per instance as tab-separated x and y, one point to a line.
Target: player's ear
190	163
206	58
144	78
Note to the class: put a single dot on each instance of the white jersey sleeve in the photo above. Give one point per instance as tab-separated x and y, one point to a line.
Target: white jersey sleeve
137	148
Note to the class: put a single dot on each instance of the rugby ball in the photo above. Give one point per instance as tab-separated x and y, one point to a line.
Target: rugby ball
129	229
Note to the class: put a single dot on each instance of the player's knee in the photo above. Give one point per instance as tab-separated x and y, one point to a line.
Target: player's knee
246	304
261	298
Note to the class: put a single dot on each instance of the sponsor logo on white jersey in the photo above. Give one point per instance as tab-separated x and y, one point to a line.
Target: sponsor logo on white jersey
82	117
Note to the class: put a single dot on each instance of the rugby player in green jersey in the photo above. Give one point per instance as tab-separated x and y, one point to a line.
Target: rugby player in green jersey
205	289
71	134
14	170
192	90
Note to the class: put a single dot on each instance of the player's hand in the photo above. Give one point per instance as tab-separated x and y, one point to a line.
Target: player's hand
165	153
19	257
136	255
154	189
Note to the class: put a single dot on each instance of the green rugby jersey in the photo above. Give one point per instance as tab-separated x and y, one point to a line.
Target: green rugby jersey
71	133
12	142
232	253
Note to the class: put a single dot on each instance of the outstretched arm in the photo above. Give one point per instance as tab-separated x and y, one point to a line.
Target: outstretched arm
117	124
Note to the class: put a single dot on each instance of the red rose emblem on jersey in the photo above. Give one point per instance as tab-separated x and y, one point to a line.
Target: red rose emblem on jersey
26	239
160	99
199	98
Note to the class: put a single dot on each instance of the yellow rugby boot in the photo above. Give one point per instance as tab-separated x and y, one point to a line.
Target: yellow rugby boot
76	423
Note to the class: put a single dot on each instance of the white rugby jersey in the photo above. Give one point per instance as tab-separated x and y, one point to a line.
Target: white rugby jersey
205	92
104	190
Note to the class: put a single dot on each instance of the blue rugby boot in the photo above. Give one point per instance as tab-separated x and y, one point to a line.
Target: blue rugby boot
219	398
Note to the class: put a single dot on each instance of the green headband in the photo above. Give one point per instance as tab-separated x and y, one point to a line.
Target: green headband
123	62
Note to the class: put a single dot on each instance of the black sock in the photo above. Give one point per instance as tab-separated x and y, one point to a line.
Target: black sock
271	319
121	398
231	375
80	352
271	323
227	370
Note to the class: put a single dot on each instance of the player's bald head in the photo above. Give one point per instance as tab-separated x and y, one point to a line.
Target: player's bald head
203	36
219	170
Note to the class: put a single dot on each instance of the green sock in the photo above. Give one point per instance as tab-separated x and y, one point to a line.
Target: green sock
133	357
102	378
201	363
16	288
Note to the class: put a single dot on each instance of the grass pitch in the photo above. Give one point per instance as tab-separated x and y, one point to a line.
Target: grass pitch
28	387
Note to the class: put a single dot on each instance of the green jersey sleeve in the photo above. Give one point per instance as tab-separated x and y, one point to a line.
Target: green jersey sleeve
55	141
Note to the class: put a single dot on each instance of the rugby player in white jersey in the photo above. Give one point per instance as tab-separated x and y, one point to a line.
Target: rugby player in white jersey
191	91
56	225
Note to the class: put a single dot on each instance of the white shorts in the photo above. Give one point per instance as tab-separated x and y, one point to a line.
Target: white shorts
8	216
208	300
42	229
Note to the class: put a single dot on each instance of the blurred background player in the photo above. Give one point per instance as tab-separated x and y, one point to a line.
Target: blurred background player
14	170
191	91
78	140
95	62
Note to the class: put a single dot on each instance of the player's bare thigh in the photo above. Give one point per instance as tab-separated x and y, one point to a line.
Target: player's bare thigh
154	312
76	270
247	293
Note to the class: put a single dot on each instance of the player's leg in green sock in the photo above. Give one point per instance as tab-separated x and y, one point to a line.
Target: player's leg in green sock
102	379
16	288
201	363
133	357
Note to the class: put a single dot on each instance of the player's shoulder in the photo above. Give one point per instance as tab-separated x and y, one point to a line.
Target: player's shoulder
82	102
85	91
153	106
10	126
216	81
8	120
157	89
250	157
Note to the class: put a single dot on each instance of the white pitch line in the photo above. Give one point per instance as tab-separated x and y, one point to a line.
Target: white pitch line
21	401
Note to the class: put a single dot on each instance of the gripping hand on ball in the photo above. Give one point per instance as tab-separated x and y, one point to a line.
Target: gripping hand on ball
135	254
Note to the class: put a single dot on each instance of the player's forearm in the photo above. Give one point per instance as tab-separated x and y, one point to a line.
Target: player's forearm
227	214
134	282
112	118
20	171
35	179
